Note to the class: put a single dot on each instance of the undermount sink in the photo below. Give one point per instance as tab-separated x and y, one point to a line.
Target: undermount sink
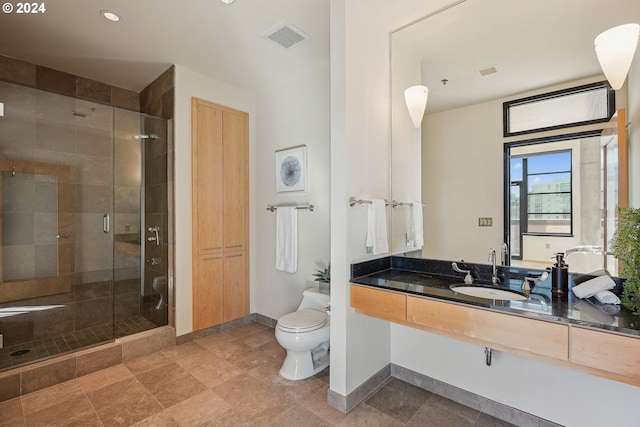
489	292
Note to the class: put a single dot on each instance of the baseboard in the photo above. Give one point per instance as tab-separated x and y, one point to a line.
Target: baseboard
253	317
448	391
369	387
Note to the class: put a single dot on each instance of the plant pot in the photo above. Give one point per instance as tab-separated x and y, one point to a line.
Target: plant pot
325	288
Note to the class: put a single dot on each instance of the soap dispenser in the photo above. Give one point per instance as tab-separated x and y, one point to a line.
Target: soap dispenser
560	275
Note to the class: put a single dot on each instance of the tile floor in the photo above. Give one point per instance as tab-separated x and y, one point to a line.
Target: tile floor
227	379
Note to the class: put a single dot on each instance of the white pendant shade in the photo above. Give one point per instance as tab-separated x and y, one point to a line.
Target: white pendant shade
416	99
614	49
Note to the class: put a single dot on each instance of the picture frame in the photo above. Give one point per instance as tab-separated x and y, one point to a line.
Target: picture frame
291	169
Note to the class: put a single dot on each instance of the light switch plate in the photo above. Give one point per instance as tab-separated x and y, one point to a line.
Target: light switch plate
485	222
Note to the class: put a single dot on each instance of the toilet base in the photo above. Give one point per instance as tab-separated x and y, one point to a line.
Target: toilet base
299	365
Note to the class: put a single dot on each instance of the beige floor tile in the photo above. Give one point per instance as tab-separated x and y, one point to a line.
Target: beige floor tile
431	415
317	404
364	415
229	418
259	338
231	350
135	407
210	370
251	359
170	384
118	394
11	413
245	330
161	419
104	378
73	411
215	340
147	363
185	350
299	417
198	409
251	396
52	396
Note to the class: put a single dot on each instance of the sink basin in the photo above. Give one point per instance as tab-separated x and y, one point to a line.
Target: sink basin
489	292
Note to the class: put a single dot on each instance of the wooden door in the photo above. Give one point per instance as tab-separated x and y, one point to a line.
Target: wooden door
236	298
208	291
236	188
207	179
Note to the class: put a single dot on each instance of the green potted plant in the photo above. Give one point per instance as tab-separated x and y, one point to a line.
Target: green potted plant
626	248
323	277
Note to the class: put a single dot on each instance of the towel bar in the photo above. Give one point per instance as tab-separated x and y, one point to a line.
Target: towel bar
274	208
353	201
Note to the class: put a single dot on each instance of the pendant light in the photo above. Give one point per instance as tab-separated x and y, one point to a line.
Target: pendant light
416	99
614	49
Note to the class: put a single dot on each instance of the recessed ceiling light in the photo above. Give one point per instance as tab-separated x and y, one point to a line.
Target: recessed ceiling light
227	1
111	16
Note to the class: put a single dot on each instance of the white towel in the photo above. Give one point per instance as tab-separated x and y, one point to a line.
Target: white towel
377	227
593	286
607	297
416	224
287	239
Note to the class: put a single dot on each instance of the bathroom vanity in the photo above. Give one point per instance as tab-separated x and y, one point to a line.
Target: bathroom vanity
584	335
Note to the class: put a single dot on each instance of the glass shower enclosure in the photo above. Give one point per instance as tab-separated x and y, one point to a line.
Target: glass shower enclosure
83	224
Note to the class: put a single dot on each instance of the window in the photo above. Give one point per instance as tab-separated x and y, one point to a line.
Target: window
581	105
546	178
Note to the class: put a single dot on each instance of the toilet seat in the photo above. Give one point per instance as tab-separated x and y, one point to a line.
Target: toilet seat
305	320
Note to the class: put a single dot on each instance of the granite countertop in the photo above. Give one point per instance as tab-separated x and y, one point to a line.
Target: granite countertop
432	278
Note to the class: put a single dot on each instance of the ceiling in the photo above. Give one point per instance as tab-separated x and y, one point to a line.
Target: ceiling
226	41
222	41
531	43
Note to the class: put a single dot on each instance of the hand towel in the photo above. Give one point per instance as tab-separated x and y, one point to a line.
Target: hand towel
590	312
591	287
607	297
377	227
287	239
416	224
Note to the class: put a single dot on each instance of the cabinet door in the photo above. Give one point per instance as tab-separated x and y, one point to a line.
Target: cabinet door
236	301
377	303
236	183
208	291
207	179
615	354
501	331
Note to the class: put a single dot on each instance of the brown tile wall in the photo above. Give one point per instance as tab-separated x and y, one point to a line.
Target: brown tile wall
50	80
157	99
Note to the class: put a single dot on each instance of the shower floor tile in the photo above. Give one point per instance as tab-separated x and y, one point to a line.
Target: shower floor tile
43	348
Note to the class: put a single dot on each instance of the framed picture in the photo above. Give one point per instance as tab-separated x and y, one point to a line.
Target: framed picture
291	169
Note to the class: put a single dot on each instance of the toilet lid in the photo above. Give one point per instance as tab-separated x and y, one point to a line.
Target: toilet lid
305	319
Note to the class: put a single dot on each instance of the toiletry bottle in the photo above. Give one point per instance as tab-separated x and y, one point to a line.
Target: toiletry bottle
560	275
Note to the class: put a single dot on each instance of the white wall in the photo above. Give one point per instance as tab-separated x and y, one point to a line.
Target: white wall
564	396
191	84
359	168
291	114
633	118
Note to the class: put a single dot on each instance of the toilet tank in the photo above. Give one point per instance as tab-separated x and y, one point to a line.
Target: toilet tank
312	298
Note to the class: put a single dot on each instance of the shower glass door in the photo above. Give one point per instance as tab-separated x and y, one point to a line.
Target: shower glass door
72	204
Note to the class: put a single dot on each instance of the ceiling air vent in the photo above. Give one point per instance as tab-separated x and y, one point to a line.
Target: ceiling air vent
488	71
286	35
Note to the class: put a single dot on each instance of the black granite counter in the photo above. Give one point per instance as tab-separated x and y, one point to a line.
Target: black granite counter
432	278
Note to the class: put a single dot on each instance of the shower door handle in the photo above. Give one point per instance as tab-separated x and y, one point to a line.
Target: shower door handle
106	223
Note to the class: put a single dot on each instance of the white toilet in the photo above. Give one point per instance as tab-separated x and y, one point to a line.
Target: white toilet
305	335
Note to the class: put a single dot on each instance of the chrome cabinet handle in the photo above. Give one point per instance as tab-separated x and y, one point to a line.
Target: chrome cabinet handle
106	223
62	236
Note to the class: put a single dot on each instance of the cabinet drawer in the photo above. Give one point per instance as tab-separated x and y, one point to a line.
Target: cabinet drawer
381	304
606	352
497	330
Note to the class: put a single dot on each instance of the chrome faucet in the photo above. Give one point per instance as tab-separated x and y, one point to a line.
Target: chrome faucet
492	260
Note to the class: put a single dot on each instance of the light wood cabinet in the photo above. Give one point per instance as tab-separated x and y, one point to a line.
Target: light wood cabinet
220	203
378	303
514	334
606	354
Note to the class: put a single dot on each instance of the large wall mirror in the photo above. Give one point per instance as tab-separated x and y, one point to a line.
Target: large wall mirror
474	56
